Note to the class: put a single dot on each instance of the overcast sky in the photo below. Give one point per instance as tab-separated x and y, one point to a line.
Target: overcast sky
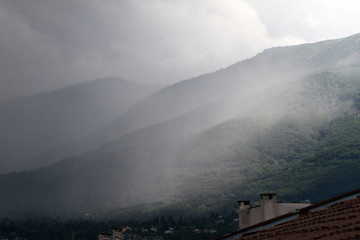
46	44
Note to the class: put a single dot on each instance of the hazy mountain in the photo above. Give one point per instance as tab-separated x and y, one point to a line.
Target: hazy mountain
192	144
268	70
33	124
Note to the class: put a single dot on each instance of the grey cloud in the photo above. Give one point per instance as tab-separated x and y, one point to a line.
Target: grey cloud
46	44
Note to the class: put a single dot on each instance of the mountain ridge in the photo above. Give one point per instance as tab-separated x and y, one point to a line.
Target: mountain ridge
171	100
32	124
259	120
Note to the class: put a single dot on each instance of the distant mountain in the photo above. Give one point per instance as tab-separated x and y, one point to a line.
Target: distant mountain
268	69
33	124
195	145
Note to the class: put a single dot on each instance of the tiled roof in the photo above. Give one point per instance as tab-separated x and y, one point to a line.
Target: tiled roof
338	221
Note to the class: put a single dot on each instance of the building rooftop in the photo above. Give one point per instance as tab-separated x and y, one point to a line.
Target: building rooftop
334	218
338	221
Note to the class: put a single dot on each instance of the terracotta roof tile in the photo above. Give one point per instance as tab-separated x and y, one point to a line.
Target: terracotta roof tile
338	221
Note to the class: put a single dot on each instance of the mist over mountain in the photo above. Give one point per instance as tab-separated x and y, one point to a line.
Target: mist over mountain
32	124
198	144
268	71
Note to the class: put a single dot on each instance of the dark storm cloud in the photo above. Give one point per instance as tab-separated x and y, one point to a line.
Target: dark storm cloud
46	43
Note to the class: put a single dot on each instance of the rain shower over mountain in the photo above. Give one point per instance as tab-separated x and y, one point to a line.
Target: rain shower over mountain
285	120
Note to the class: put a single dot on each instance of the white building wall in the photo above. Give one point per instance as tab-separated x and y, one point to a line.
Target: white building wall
268	209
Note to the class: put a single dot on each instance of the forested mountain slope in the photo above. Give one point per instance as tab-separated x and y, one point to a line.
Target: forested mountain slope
200	144
268	71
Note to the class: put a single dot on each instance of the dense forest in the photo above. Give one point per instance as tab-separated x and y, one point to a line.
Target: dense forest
167	227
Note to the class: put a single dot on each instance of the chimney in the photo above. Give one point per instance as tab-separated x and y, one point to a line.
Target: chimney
268	205
244	213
